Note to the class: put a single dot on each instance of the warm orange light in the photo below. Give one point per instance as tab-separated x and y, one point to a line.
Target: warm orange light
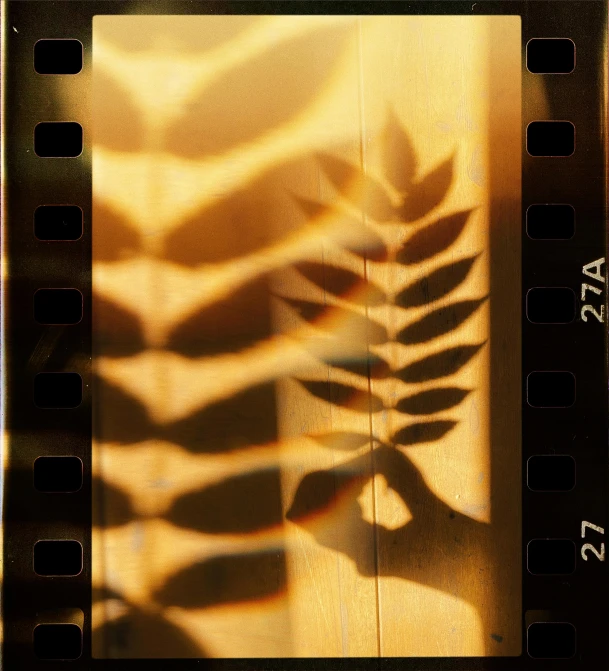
292	329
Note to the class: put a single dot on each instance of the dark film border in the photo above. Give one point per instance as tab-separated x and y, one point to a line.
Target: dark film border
579	431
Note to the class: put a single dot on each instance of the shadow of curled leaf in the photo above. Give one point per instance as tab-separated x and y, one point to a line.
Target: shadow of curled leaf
435	285
226	507
137	635
259	95
433	238
344	395
428	193
438	322
224	579
363	190
431	401
342	283
423	432
444	363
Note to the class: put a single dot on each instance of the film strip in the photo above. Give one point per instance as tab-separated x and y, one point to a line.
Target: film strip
153	514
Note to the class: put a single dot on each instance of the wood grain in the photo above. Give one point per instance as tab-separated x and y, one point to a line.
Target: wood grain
301	448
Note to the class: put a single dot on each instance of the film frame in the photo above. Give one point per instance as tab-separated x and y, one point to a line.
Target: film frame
580	431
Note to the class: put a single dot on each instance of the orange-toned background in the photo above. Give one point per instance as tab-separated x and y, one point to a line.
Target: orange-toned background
207	131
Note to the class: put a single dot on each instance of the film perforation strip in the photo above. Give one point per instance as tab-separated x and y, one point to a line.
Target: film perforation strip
563	400
55	476
556	633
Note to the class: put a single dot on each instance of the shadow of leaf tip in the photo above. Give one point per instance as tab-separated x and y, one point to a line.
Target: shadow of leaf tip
357	186
399	157
429	191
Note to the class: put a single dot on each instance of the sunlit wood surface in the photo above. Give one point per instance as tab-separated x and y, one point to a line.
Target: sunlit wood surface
293	311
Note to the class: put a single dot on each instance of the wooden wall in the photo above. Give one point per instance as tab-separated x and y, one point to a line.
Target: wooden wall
298	235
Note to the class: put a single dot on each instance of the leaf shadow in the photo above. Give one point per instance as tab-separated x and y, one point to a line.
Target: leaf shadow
259	96
363	190
250	503
118	416
113	505
325	501
118	332
234	323
432	239
229	227
423	432
342	283
436	285
244	419
225	579
399	157
432	401
113	237
361	240
344	396
442	364
118	122
243	222
327	317
226	507
429	192
438	322
366	365
104	593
